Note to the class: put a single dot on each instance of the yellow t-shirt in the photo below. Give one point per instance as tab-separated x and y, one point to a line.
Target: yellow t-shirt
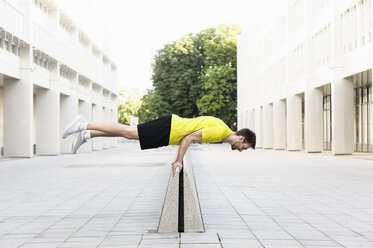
213	129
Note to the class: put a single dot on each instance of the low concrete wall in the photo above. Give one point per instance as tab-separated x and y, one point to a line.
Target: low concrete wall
170	212
192	211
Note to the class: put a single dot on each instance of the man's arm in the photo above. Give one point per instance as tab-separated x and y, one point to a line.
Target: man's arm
195	136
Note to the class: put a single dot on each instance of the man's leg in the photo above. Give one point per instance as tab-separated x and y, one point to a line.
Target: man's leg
79	124
112	129
84	136
95	134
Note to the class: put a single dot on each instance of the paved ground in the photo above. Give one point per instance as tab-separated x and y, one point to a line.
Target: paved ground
252	199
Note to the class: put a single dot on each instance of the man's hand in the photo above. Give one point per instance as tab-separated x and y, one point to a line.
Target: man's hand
175	165
195	136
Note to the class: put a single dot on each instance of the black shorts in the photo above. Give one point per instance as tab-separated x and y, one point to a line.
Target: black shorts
155	133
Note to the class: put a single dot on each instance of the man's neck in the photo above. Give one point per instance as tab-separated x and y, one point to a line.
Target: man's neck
231	138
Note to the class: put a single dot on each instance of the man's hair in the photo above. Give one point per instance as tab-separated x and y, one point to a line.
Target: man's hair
249	136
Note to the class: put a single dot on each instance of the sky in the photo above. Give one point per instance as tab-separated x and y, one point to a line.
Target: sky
142	27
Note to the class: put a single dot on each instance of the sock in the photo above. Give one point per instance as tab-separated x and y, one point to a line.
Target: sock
83	125
87	134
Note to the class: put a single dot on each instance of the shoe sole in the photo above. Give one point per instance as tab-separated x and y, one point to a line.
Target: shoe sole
65	133
73	144
75	140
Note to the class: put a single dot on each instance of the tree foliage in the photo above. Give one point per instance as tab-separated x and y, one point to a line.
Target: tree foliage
152	106
129	104
195	75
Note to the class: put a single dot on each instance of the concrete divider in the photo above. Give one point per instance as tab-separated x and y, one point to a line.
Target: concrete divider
169	218
191	217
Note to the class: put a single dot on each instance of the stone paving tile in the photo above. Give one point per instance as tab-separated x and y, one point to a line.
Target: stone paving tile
205	238
158	246
326	246
200	245
160	236
318	242
114	198
56	233
12	243
121	246
159	241
248	242
241	243
121	240
47	240
280	243
40	245
19	236
77	244
93	240
236	234
272	234
314	195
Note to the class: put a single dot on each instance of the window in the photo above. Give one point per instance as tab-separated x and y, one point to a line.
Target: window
356	25
83	39
42	6
363	112
6	45
327	117
13	49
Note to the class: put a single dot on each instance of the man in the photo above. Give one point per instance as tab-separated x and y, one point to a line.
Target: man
167	130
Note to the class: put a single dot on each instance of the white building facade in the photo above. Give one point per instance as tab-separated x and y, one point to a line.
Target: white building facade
306	83
51	70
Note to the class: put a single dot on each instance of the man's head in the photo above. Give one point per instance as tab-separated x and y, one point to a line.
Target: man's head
246	139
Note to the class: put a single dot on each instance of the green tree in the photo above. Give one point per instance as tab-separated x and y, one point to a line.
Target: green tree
152	107
175	76
220	98
195	75
219	78
129	103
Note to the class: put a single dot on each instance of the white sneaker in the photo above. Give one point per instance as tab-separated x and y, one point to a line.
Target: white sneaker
78	141
77	125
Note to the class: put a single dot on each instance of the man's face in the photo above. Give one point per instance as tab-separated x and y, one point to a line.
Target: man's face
240	146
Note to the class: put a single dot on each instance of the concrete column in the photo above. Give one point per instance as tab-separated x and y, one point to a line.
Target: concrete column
18	110
294	123
314	120
268	126
279	125
18	97
1	114
342	94
54	20
106	114
47	122
251	119
342	116
97	143
48	115
258	127
113	115
85	109
239	120
68	112
245	117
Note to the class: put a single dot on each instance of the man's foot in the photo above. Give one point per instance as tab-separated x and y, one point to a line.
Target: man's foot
78	140
77	125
